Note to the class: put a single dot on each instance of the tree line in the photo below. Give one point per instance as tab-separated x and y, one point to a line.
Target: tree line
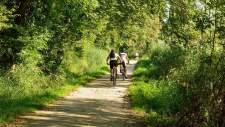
49	38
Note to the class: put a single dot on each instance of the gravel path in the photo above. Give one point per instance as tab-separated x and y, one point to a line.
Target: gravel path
99	104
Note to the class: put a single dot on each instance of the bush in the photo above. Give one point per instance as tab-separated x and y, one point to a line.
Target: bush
25	86
202	77
170	79
91	60
162	97
153	90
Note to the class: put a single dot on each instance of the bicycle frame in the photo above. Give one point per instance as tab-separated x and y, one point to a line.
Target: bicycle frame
122	69
114	71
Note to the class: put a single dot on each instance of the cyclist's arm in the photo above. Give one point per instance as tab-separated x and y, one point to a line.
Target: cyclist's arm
118	57
127	57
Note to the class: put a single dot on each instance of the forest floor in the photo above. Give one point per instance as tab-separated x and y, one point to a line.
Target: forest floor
98	104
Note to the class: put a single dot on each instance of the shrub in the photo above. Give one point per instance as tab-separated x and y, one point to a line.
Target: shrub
153	90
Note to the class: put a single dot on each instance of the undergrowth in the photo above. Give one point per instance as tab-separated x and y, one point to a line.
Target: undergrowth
152	92
25	88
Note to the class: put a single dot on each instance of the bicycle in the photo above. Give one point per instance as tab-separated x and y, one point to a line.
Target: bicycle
114	75
122	71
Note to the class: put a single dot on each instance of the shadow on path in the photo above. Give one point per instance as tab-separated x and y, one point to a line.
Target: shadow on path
99	104
81	113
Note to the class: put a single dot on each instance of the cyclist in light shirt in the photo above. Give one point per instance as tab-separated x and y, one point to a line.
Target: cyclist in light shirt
124	61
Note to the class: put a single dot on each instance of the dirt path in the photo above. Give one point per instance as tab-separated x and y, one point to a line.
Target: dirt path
99	104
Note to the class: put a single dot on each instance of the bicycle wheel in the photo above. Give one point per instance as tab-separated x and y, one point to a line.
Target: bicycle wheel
123	73
114	76
123	76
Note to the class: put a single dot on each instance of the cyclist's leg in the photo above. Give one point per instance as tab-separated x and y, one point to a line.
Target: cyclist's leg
125	68
111	74
121	69
111	69
113	64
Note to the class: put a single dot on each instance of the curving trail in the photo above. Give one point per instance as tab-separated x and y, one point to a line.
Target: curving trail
99	104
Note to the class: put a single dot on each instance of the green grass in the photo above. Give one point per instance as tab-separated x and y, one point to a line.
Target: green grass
10	108
158	102
26	87
152	92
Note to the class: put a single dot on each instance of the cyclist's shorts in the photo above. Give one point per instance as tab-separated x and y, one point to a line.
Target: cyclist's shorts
113	63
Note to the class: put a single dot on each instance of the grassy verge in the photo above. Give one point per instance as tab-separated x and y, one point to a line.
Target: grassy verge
153	96
10	108
152	92
154	103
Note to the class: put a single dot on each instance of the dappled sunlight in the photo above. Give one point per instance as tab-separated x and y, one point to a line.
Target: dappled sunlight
81	112
99	104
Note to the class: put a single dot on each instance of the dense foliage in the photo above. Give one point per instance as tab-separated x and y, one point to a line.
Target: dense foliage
46	42
196	28
152	91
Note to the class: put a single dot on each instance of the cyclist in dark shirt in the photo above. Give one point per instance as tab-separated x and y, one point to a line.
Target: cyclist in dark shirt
112	60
